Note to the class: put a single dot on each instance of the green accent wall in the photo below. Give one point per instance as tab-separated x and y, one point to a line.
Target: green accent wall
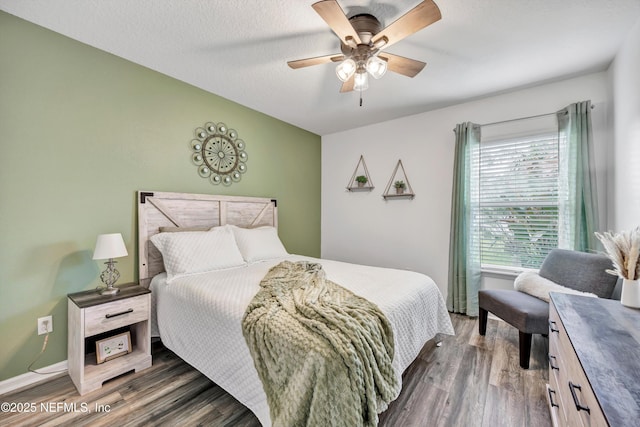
81	131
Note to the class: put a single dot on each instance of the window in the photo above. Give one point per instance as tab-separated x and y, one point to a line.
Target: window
521	188
517	192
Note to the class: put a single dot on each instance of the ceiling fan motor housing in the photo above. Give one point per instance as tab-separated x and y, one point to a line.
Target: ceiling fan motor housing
366	26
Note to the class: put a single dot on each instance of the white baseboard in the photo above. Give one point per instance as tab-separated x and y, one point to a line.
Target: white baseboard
30	378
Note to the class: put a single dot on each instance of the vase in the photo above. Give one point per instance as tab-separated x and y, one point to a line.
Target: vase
630	296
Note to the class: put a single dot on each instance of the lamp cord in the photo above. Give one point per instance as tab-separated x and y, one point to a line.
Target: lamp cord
44	347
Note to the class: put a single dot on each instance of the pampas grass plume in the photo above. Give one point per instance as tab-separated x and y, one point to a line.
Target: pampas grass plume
624	250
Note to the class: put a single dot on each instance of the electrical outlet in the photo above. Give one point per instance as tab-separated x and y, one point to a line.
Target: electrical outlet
45	325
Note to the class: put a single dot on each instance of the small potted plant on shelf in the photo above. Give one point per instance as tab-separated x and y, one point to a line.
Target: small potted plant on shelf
400	186
361	180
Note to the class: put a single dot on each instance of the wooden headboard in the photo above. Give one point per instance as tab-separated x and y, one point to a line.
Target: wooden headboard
157	209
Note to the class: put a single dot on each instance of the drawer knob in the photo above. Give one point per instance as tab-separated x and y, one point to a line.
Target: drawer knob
109	315
551	360
552	327
579	406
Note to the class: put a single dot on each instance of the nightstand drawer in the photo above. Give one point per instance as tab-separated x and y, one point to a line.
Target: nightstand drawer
109	316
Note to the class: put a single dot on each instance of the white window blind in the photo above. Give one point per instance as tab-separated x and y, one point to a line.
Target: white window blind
517	192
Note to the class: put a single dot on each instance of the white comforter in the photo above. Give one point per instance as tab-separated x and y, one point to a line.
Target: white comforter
199	318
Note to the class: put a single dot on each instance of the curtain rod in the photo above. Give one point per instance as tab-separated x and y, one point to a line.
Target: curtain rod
523	118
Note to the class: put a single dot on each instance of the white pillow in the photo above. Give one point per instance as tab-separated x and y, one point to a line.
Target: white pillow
258	244
192	252
535	285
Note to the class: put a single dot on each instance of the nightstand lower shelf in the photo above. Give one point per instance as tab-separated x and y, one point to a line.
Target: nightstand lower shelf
95	374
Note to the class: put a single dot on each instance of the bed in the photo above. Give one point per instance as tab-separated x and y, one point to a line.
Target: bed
198	314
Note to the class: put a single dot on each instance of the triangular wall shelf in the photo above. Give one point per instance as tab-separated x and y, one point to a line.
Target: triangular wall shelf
392	191
361	170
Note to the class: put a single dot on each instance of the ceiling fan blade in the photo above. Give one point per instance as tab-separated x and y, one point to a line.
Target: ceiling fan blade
348	85
424	14
301	63
401	65
334	16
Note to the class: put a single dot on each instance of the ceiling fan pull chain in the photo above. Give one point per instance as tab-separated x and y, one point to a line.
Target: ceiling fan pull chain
361	98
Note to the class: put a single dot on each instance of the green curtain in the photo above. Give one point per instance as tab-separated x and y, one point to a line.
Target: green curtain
578	213
464	253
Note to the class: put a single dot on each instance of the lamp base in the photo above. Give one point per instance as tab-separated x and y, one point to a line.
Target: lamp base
109	291
109	277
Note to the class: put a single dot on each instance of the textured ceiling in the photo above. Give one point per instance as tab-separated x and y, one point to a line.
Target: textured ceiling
238	49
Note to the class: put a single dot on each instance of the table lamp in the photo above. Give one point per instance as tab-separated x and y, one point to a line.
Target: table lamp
110	246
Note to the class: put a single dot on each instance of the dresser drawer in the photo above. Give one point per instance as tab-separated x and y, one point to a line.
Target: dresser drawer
109	316
577	395
556	328
555	366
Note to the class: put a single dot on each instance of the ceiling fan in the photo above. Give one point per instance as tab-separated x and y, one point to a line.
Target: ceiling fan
362	40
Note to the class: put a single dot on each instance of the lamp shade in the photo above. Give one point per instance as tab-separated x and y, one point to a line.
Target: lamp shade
109	246
376	67
361	81
345	69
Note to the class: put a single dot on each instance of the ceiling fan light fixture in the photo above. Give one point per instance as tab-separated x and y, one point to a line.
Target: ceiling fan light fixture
376	66
345	69
361	81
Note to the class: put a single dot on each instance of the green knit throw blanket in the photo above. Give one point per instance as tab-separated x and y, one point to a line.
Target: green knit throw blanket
323	354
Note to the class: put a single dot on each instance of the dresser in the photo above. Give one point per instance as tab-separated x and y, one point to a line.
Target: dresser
594	362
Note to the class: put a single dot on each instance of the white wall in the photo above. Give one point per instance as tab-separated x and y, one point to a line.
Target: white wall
414	234
626	154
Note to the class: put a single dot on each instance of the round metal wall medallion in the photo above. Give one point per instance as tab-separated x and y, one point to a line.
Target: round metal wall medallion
219	154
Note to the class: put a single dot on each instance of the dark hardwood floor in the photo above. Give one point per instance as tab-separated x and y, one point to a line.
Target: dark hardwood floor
468	381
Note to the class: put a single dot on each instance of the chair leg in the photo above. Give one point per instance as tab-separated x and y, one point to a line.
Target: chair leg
482	321
525	349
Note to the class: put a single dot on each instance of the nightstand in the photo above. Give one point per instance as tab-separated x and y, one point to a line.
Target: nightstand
92	316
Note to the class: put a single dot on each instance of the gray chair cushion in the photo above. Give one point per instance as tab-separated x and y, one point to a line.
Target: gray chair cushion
528	314
579	270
